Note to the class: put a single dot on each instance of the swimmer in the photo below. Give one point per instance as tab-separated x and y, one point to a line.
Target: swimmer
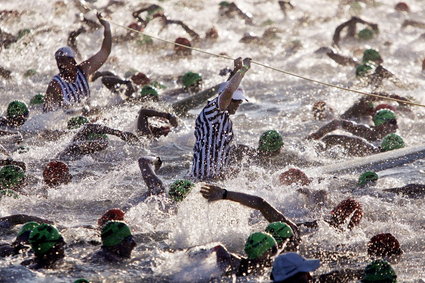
385	246
48	246
230	10
352	30
21	242
12	177
268	35
71	84
216	115
145	129
17	114
5	73
410	190
93	138
285	6
117	242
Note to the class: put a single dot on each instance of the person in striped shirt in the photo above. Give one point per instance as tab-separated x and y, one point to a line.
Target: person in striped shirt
70	86
213	127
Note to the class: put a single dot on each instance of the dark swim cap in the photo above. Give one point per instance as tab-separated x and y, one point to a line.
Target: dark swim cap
258	244
180	189
191	79
111	214
11	176
345	209
367	177
379	271
37	99
363	69
383	245
280	231
17	109
371	55
392	141
114	232
270	141
43	238
77	122
365	34
56	173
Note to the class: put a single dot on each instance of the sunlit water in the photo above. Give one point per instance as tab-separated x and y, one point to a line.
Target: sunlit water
277	101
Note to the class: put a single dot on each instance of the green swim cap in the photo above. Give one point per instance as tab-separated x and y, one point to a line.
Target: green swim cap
371	55
148	90
82	280
367	177
379	271
180	189
37	99
43	238
9	193
23	32
392	141
270	141
114	232
365	34
224	4
258	243
280	231
94	136
77	122
190	79
30	73
17	109
11	176
383	116
29	226
363	70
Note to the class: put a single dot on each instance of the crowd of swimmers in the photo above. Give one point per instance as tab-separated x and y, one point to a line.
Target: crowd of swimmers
215	155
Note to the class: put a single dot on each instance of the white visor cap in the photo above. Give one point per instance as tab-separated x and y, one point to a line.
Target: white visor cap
238	94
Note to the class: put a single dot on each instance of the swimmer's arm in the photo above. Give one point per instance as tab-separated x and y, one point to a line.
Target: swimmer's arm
144	114
100	129
330	127
154	184
226	96
226	259
92	64
357	129
342	60
194	35
17	219
53	97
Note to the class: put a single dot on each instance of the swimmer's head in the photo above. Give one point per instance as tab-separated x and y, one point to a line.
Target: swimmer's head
294	176
345	209
140	79
365	34
373	56
384	245
363	70
280	231
402	7
270	142
44	238
383	116
260	245
37	99
65	59
11	177
379	271
117	238
391	142
25	231
368	177
192	81
77	122
56	173
17	113
384	106
149	91
180	189
180	50
111	214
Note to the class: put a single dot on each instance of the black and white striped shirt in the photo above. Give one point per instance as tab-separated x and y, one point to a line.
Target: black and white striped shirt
214	134
73	92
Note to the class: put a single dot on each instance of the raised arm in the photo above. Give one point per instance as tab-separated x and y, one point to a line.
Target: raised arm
226	96
331	126
53	97
213	193
92	64
100	129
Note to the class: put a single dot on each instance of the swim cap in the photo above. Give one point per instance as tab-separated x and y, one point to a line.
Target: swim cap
11	176
30	73
383	245
367	177
77	122
180	189
383	116
182	41
384	106
379	271
224	4
111	214
28	227
365	34
259	243
191	79
37	99
17	109
148	90
82	280
402	7
345	209
140	79
23	32
56	173
65	52
392	141
280	231
43	238
371	55
293	176
363	69
114	232
270	141
9	193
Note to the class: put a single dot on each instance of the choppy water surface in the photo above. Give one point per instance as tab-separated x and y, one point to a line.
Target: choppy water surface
109	179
